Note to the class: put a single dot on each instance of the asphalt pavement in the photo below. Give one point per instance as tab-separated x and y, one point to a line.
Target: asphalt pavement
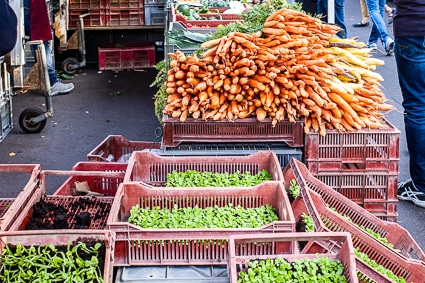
121	103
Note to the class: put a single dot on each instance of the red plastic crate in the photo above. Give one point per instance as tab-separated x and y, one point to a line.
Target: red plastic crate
119	148
101	177
119	56
138	246
153	169
393	232
25	175
124	4
240	130
97	17
247	247
5	203
366	149
376	191
98	209
63	238
210	17
125	17
86	4
326	219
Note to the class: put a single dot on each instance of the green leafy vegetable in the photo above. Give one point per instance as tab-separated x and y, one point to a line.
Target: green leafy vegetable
210	217
193	178
49	263
321	269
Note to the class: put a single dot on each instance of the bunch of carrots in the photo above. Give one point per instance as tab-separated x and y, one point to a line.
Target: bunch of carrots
294	68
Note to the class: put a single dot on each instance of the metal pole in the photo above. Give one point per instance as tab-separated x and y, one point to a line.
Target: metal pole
331	11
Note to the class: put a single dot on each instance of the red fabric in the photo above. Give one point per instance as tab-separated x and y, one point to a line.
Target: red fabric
40	22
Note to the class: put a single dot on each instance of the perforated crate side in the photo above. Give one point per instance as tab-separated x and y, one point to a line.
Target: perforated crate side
139	246
125	17
118	56
98	209
410	269
124	4
304	204
283	152
87	4
97	17
100	206
393	232
376	191
153	169
101	177
155	15
245	248
118	146
27	175
210	17
366	149
240	130
63	238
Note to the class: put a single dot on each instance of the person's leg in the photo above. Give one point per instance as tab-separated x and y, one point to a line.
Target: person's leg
410	59
340	17
50	68
379	29
322	9
365	13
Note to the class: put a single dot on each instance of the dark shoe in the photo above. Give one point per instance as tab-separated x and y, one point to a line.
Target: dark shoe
360	24
407	191
389	47
391	16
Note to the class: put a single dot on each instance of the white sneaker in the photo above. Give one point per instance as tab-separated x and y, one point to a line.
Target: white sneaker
61	88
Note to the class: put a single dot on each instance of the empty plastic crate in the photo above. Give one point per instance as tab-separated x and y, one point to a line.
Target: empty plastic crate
376	191
366	149
117	17
97	17
240	130
248	247
153	169
124	4
327	219
119	56
64	238
202	246
116	148
154	15
393	232
86	4
283	152
101	177
22	177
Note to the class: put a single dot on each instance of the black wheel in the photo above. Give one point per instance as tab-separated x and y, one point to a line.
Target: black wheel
67	65
25	121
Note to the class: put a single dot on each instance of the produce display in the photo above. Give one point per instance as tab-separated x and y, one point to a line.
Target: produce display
79	262
195	217
279	269
193	178
293	66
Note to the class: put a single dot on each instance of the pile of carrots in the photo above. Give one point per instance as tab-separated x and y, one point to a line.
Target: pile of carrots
295	68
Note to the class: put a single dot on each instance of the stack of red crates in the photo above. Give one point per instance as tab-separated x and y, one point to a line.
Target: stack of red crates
107	13
129	55
362	166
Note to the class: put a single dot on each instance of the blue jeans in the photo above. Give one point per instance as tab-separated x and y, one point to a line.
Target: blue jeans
410	58
322	8
50	68
376	10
